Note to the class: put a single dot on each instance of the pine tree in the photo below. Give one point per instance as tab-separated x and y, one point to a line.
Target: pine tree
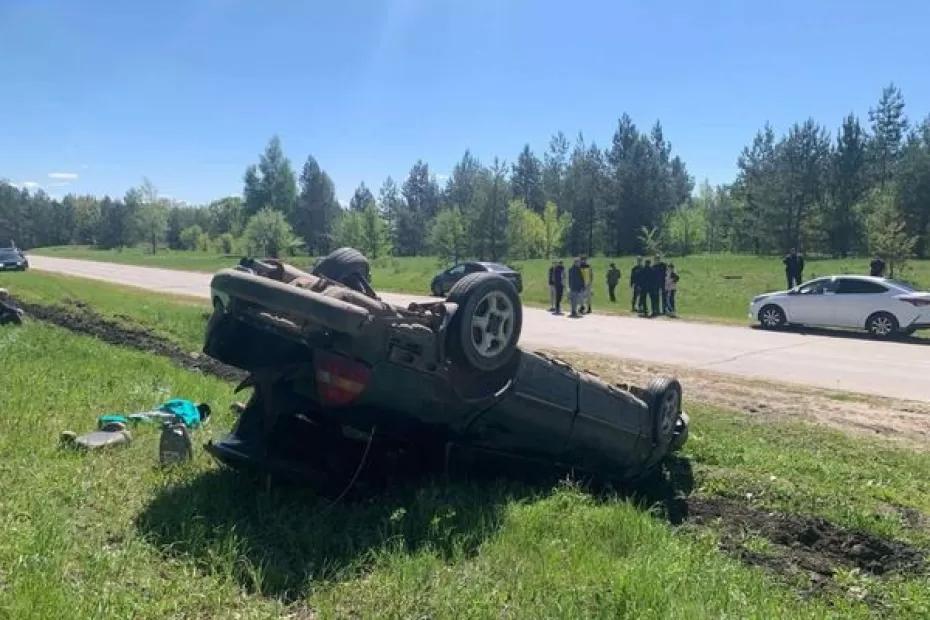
889	126
362	198
526	180
888	235
317	209
420	205
848	183
271	183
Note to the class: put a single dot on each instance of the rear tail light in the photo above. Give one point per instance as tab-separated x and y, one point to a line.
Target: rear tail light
339	380
917	301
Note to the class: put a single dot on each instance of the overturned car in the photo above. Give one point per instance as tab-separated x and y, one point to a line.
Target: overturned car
346	384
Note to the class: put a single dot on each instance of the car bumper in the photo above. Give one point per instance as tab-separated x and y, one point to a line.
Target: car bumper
14	267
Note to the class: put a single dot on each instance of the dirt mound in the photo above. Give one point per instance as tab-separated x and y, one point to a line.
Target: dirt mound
800	546
82	319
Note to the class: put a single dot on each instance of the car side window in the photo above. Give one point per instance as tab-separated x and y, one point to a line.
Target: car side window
848	286
817	287
472	268
457	270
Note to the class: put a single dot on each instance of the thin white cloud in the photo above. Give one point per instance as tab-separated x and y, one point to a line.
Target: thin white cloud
63	176
29	185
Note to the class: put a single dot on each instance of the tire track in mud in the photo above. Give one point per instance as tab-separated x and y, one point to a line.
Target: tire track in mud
81	319
801	545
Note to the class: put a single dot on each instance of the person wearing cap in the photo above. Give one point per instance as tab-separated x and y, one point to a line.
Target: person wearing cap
613	278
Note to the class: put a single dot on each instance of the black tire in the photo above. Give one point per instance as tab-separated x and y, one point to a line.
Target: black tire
883	325
772	317
349	267
492	300
339	264
664	399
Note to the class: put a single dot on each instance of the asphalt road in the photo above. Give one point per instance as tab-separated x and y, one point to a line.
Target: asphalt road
840	362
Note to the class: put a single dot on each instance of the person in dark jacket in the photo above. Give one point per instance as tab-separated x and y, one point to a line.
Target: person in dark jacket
613	278
576	287
558	277
646	282
551	276
877	267
661	271
794	268
636	286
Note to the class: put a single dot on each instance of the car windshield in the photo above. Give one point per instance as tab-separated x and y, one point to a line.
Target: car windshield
7	254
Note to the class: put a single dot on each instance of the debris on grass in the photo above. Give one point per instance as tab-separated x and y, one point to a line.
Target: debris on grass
9	311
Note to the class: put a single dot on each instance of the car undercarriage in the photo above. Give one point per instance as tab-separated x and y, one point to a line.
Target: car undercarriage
347	388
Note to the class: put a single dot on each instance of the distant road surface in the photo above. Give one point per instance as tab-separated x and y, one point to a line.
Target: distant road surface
843	363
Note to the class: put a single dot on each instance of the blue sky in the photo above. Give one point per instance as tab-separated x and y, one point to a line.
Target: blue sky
96	95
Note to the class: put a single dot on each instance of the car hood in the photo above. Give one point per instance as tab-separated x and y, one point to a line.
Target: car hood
763	296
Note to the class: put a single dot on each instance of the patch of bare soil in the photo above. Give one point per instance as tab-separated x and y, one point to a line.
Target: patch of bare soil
898	420
81	319
809	550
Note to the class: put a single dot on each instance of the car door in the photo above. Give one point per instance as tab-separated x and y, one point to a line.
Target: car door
535	417
812	303
857	300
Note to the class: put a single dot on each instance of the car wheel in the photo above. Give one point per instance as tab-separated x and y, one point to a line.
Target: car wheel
486	327
772	317
342	263
882	325
664	399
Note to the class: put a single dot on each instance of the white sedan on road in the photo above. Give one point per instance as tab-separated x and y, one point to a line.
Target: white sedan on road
882	307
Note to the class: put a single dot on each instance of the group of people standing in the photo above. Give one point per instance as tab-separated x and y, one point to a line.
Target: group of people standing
656	282
580	286
655	287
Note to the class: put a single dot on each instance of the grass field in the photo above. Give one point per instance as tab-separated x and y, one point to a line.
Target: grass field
717	286
111	535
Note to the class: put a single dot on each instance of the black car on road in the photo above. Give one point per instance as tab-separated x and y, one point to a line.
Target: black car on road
346	386
444	280
12	259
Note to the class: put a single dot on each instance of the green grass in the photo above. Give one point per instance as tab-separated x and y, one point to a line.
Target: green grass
716	287
111	535
178	318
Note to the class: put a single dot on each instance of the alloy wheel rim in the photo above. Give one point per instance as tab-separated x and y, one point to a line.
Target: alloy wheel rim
492	324
771	317
881	326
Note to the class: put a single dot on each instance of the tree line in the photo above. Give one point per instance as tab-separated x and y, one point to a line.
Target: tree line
866	190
